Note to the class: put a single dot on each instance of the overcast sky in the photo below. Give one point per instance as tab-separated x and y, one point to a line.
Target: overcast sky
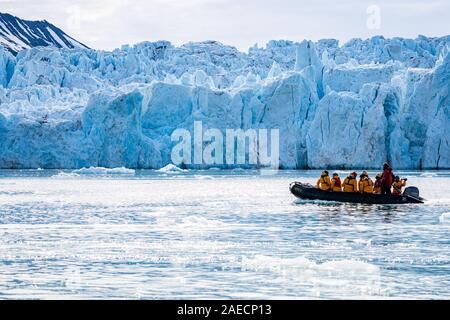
107	24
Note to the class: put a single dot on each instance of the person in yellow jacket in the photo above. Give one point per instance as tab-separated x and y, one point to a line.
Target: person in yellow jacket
350	184
365	183
324	181
378	184
336	184
397	186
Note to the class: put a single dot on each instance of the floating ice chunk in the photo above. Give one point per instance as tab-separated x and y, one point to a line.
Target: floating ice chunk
445	217
104	171
349	266
260	262
171	168
65	175
202	177
191	224
263	263
352	278
428	174
195	222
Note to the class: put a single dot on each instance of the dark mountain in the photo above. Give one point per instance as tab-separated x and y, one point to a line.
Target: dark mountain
17	34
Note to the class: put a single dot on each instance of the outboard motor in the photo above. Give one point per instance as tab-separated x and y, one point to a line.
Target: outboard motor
412	192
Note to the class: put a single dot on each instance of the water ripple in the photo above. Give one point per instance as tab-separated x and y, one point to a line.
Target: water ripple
215	234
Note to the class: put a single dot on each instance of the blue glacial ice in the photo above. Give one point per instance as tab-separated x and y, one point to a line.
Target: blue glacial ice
354	105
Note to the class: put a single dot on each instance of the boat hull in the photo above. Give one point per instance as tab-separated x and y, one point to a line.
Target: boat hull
308	192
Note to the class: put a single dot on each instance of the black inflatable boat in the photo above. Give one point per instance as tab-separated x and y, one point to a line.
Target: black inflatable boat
309	192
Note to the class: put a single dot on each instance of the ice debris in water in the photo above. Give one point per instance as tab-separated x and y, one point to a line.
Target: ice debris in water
260	262
445	217
65	175
356	277
171	168
105	171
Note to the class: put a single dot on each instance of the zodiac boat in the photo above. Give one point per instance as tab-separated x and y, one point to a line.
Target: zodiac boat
309	192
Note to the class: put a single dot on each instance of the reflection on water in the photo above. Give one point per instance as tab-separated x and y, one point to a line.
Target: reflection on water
215	234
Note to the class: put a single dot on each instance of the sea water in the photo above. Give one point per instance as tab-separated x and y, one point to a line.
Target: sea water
215	234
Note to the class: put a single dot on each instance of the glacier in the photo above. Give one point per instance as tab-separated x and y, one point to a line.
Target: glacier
354	105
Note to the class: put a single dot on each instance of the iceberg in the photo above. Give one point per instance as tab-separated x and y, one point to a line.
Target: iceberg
354	105
171	168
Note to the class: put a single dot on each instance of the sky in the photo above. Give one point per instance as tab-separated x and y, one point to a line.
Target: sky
108	24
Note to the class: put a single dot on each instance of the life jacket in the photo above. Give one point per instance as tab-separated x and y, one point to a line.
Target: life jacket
324	183
397	188
366	185
350	184
336	184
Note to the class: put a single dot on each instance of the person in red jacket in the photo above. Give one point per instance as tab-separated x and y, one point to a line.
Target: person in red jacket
387	179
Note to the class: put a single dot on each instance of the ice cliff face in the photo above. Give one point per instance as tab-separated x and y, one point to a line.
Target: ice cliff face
349	106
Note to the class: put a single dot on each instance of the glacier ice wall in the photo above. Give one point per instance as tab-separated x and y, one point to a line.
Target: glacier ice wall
355	105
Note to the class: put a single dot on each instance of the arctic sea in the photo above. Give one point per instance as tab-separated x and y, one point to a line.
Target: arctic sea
215	234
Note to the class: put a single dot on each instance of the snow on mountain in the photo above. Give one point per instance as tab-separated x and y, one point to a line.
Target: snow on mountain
17	34
354	105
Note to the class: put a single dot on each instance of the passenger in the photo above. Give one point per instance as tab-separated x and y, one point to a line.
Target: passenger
365	183
387	179
377	184
397	186
336	184
324	181
350	184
